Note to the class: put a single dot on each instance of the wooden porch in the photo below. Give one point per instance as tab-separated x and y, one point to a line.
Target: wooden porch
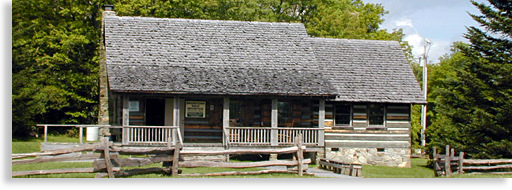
221	121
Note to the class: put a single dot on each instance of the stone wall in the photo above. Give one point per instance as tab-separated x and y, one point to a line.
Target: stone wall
396	157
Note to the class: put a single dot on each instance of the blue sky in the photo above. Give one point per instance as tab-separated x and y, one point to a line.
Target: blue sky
441	21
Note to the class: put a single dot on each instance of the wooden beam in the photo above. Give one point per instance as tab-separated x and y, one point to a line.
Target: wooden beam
58	171
140	151
242	173
126	111
46	133
80	134
245	151
447	162
122	162
176	118
70	157
225	121
175	160
125	121
56	152
195	164
106	155
487	161
300	153
274	123
504	166
139	171
168	113
176	111
321	122
367	144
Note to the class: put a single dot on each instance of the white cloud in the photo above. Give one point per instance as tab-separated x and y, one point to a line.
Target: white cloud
403	22
437	49
416	41
411	35
443	22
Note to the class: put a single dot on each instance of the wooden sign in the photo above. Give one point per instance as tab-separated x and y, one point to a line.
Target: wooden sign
195	109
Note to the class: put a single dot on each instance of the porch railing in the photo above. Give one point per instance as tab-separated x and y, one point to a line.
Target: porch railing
150	134
263	136
130	134
238	136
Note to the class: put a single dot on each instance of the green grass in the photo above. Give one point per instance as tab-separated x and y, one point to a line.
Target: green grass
27	145
418	169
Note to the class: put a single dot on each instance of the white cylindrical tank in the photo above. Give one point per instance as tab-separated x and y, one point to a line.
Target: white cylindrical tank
92	133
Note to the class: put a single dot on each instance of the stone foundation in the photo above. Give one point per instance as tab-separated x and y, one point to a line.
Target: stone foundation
396	157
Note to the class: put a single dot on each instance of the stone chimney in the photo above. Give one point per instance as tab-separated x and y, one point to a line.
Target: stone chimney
108	7
103	114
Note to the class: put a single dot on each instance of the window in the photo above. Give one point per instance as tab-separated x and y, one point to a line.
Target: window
342	114
376	114
234	109
290	113
284	114
133	106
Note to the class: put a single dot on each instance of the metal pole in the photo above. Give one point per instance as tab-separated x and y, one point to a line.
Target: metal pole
425	94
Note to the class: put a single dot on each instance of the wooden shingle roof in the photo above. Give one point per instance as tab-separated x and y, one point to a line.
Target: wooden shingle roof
367	70
178	56
185	56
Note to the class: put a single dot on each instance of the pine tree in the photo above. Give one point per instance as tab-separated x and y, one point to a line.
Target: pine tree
477	103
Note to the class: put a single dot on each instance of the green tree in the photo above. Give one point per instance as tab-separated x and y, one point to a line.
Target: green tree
474	109
54	62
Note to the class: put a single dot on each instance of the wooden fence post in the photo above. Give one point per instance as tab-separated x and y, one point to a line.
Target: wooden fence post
80	134
461	162
447	162
436	164
45	133
176	159
106	156
300	155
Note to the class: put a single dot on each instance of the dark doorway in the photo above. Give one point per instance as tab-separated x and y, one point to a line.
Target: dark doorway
155	112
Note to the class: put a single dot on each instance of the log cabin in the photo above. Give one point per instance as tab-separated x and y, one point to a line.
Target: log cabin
230	84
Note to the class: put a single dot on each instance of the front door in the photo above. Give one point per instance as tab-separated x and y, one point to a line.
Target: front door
155	112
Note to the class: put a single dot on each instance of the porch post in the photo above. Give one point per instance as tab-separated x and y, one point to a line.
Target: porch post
168	113
126	118
225	121
273	132
175	119
321	122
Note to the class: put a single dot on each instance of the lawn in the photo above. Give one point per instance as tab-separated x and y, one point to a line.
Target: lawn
418	169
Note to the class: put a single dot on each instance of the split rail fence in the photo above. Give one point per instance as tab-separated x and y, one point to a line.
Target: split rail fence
108	163
446	165
341	167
